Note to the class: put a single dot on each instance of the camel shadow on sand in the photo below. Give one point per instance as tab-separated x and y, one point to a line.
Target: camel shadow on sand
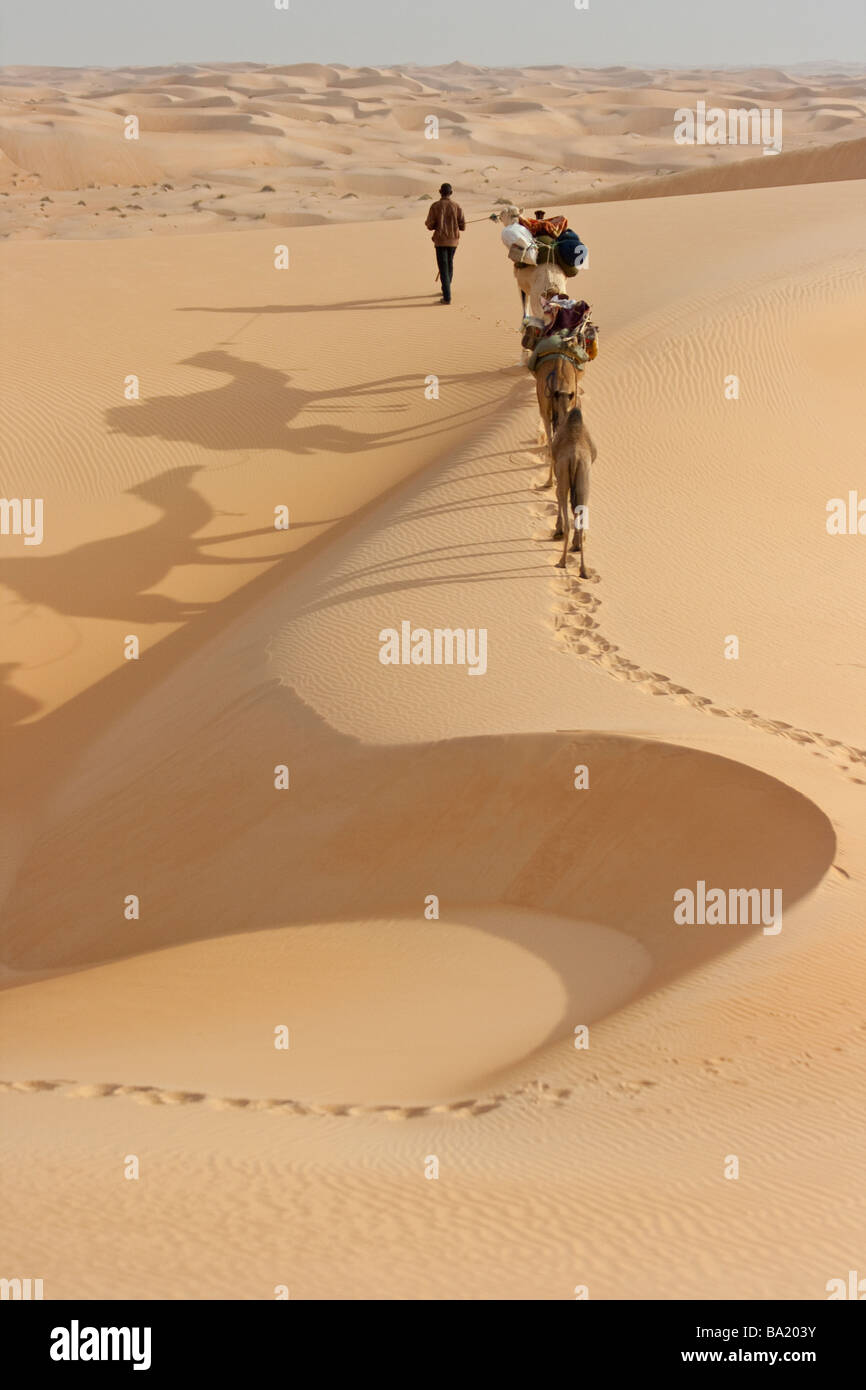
111	577
255	410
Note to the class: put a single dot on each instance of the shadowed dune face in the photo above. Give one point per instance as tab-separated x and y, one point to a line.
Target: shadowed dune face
562	900
383	1010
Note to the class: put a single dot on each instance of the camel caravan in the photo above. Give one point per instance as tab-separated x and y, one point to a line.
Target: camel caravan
558	339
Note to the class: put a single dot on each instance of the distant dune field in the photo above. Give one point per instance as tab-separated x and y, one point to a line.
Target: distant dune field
333	144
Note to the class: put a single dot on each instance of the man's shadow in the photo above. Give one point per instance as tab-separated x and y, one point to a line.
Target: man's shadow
403	301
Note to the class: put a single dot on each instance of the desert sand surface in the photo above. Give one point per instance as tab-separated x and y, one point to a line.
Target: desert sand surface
412	1036
229	146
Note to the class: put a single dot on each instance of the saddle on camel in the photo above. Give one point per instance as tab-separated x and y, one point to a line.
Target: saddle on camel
567	331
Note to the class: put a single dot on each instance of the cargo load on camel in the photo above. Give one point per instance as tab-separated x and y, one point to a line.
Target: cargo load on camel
568	332
543	241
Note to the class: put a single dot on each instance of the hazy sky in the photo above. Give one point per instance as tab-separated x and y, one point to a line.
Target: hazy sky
493	32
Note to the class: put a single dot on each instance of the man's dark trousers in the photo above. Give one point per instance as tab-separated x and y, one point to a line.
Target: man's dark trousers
445	262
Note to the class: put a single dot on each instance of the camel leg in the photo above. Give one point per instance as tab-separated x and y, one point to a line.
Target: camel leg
577	547
562	516
548	434
551	431
549	482
561	510
580	502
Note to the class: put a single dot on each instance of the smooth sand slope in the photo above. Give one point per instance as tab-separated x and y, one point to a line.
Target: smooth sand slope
453	1037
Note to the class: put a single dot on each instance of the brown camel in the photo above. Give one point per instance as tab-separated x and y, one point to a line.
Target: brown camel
557	385
573	456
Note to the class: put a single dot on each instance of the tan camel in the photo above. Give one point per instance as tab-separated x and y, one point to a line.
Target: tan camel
558	388
573	456
536	282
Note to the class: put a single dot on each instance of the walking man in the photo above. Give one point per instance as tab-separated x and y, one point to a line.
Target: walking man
445	220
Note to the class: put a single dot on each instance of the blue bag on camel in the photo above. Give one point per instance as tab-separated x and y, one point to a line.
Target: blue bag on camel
570	252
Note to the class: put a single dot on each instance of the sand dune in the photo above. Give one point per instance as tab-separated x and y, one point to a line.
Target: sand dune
569	134
844	160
